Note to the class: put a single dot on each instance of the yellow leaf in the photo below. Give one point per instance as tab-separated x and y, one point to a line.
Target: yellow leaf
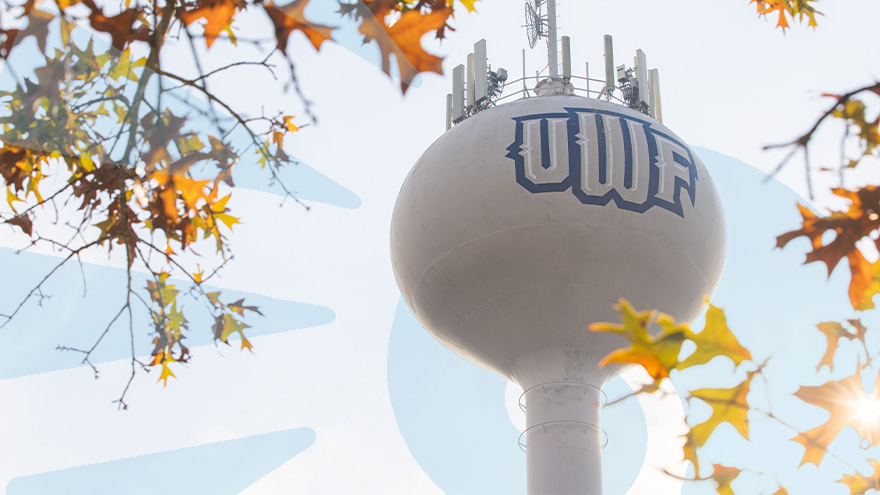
657	355
716	339
289	125
166	374
469	5
729	405
859	484
690	451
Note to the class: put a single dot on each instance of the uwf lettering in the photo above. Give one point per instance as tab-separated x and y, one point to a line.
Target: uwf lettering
603	156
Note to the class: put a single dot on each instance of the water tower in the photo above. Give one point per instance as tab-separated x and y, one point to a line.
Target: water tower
533	215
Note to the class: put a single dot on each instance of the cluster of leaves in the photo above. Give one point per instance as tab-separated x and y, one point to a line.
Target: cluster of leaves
788	9
655	343
834	236
137	166
861	220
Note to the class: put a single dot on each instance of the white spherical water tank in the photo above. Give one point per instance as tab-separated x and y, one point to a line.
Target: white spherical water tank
525	223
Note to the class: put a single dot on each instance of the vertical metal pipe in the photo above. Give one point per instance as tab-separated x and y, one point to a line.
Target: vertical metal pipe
449	111
564	440
552	42
561	391
588	79
471	82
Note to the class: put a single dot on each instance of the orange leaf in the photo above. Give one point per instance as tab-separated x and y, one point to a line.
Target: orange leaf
849	227
724	476
404	40
843	400
290	18
217	13
834	331
289	125
864	284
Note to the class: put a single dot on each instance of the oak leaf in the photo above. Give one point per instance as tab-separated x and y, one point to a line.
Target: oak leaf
38	27
240	308
849	227
729	405
290	18
859	484
469	5
833	332
657	354
120	27
403	39
724	476
714	340
690	451
166	374
842	399
225	325
218	15
22	221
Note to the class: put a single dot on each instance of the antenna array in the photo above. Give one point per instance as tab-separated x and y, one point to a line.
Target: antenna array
475	87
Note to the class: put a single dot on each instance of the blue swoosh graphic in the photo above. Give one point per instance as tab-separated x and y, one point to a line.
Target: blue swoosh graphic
220	468
75	320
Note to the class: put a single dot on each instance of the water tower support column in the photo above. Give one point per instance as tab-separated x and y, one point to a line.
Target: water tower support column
564	440
563	437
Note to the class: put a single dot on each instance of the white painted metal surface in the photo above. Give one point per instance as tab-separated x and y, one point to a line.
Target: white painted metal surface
552	39
448	111
522	225
481	71
566	57
470	81
656	107
457	93
642	77
610	69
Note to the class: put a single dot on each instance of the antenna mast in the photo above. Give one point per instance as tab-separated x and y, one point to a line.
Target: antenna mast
552	39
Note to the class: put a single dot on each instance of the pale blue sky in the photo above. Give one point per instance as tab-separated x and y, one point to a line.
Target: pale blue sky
730	83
